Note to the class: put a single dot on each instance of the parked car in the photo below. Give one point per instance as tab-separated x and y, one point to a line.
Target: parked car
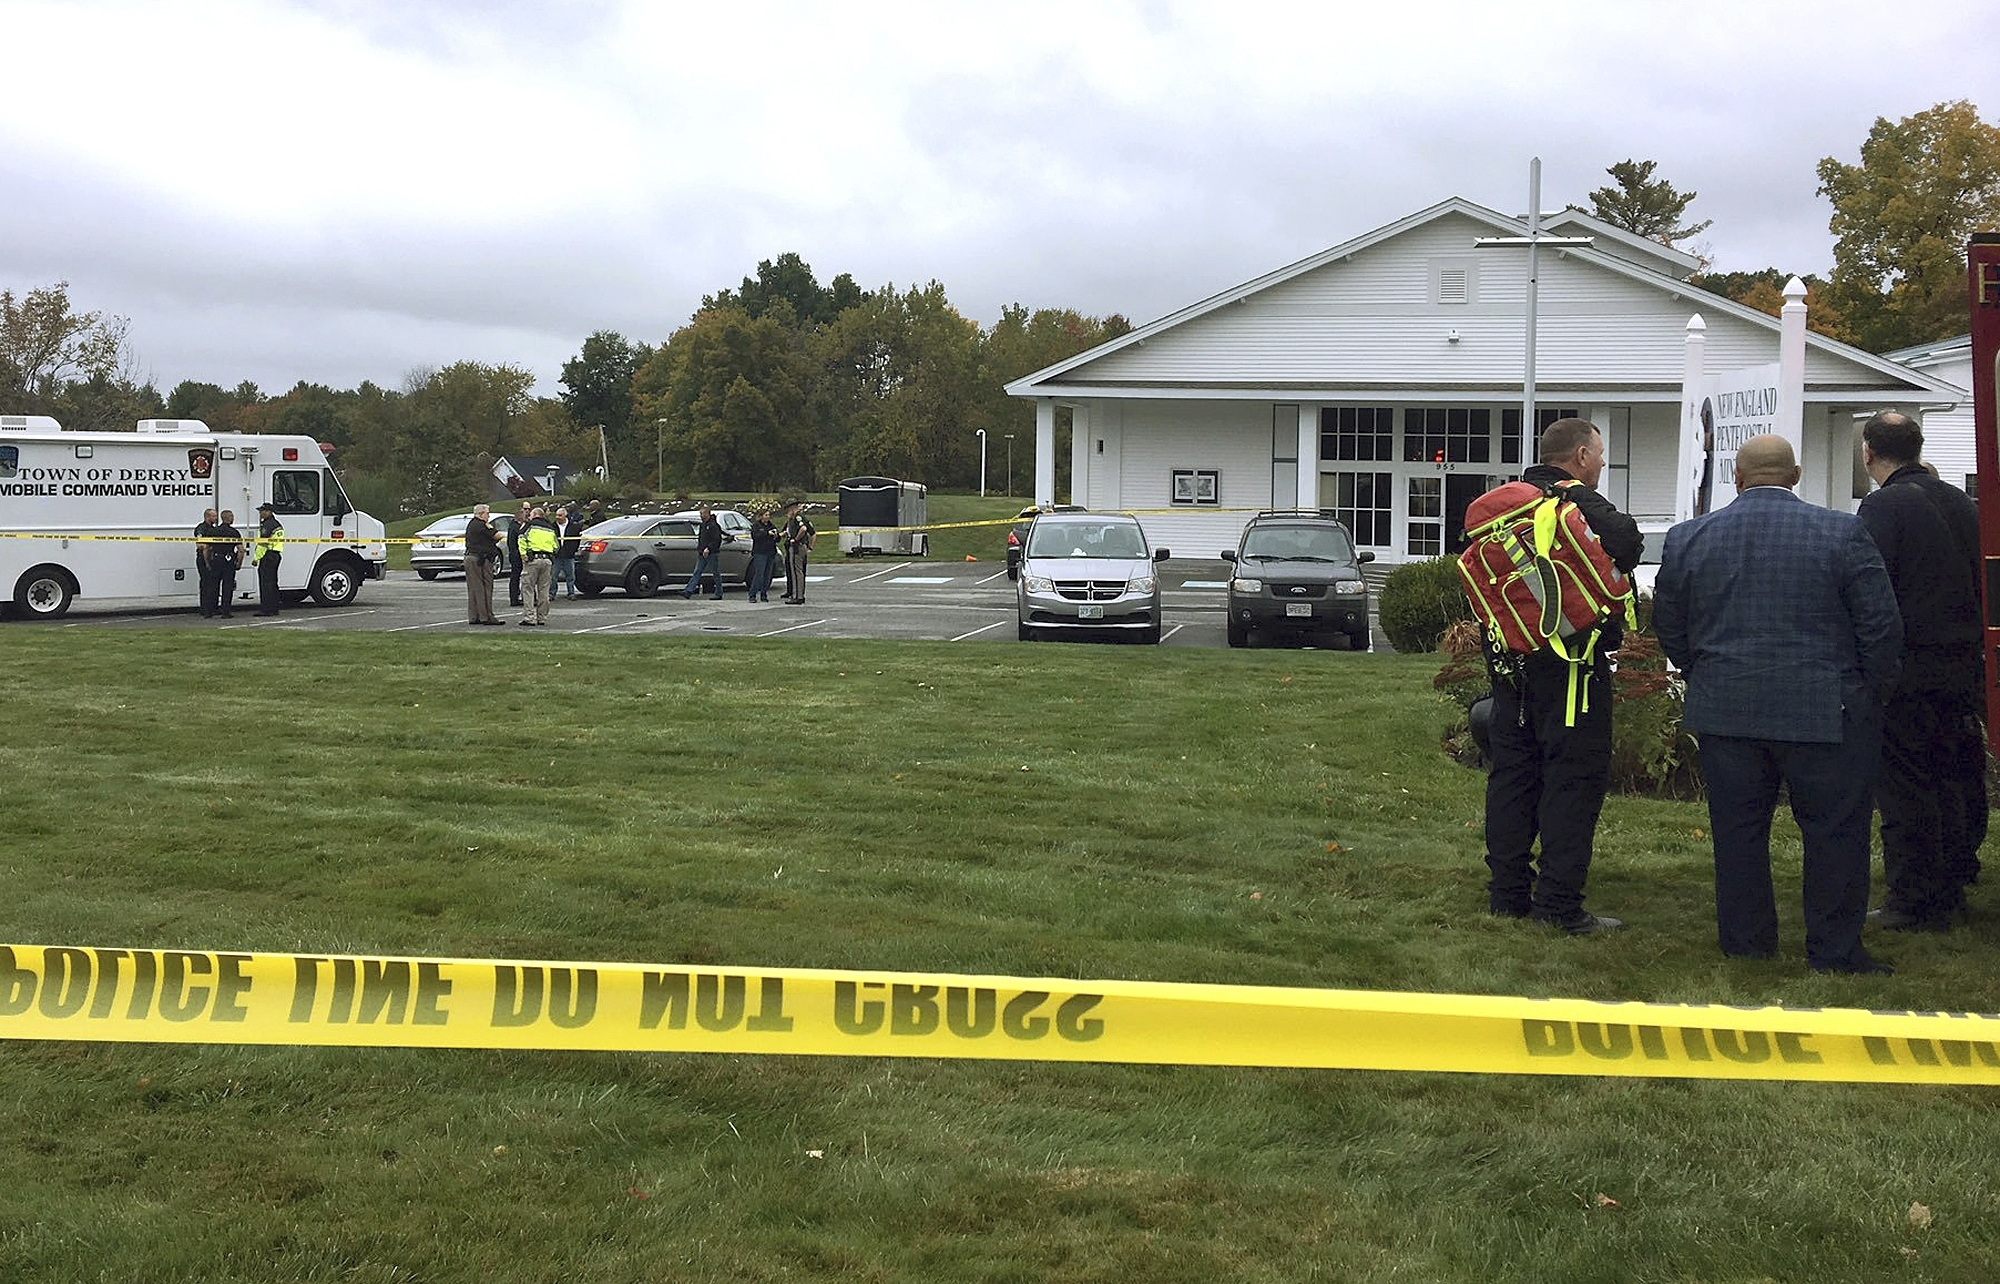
734	524
1019	532
1088	572
440	547
642	553
1299	577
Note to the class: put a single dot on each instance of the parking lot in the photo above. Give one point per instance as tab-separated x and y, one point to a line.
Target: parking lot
875	598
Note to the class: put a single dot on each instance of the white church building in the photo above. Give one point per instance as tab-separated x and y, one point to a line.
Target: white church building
1382	379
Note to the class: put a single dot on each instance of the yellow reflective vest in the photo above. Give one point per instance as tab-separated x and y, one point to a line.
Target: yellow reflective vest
264	542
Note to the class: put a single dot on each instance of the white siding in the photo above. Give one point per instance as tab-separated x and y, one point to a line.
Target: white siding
1655	456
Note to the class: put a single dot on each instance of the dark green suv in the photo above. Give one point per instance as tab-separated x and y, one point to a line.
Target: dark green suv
1298	576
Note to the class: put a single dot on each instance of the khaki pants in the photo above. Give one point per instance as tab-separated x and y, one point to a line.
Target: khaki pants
537	574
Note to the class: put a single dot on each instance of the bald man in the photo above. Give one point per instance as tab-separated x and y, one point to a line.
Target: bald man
1782	618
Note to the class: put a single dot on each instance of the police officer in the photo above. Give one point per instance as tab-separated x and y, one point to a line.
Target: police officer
224	558
798	546
204	567
539	541
267	549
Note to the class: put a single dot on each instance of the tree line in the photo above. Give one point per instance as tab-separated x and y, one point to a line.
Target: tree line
784	384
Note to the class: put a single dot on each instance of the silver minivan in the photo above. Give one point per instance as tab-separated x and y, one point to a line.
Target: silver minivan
1088	573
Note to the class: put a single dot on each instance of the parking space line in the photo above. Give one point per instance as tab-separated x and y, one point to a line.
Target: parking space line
921	579
989	579
411	628
672	622
862	579
1170	632
790	628
1205	584
981	629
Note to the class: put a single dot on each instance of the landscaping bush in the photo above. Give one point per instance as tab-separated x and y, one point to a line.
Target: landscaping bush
1419	601
1650	754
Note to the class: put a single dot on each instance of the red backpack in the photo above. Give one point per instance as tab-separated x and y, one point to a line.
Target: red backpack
1535	573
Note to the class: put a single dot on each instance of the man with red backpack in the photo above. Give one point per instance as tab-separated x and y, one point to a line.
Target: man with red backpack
1550	737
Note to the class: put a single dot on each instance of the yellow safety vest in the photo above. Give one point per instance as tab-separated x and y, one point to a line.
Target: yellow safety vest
538	538
262	544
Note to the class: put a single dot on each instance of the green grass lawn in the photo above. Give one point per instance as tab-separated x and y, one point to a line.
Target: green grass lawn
1076	811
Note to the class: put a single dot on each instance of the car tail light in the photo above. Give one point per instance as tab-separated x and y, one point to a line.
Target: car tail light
597	546
1013	540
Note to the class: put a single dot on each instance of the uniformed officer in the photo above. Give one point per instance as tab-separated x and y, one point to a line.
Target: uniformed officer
204	568
540	541
267	549
224	558
798	546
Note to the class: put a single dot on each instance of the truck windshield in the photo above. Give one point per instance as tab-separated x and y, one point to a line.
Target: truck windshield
337	506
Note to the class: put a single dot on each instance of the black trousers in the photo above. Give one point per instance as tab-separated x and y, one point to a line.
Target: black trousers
267	583
1831	790
210	576
1932	794
1547	781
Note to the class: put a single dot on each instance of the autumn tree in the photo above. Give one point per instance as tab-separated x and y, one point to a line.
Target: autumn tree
1764	290
44	343
732	390
1901	219
1643	205
597	392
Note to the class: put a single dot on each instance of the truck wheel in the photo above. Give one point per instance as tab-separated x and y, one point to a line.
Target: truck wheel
427	572
1151	636
642	580
1239	634
336	581
44	593
1357	641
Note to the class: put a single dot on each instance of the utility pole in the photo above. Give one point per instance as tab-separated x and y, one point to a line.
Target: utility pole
981	432
1010	465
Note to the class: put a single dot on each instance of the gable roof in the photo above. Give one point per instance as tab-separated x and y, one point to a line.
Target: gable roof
1059	379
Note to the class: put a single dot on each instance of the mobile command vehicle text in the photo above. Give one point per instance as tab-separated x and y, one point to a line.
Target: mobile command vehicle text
112	514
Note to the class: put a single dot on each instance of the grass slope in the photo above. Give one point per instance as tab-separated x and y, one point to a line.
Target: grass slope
1068	810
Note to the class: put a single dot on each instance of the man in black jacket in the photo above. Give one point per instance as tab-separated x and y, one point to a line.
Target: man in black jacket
1931	787
707	555
1548	778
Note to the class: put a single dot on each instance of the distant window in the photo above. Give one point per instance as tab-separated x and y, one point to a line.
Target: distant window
1366	502
1360	433
1458	435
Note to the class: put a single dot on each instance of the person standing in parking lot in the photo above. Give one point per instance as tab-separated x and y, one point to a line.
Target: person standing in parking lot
267	550
540	541
707	555
225	557
571	521
514	555
763	556
798	548
482	554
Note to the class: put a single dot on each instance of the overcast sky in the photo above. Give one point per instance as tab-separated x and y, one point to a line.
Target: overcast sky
340	190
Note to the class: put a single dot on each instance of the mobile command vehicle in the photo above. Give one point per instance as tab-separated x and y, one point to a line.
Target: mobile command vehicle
112	514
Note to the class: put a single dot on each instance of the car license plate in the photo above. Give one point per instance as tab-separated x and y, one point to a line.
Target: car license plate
439	543
1298	610
1089	612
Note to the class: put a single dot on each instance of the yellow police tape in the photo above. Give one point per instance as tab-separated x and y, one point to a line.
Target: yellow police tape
212	997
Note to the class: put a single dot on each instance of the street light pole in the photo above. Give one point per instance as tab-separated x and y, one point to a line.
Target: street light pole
1010	465
659	453
982	461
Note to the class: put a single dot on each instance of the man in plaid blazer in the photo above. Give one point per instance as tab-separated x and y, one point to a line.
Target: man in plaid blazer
1781	615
